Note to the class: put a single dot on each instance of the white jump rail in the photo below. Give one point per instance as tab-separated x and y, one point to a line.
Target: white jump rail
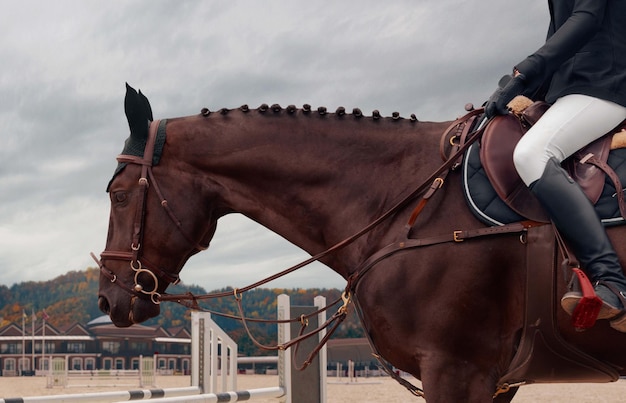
242	395
61	375
108	396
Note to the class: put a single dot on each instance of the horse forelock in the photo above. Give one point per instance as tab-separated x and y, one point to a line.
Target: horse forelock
136	148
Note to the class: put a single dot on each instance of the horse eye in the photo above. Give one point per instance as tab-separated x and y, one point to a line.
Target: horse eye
120	196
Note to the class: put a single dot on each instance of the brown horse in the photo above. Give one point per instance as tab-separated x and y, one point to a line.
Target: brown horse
449	313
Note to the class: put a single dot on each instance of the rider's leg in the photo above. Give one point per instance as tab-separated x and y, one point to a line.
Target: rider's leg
574	216
571	123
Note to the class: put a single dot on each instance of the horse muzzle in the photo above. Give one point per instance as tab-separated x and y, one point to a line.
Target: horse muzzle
126	310
127	305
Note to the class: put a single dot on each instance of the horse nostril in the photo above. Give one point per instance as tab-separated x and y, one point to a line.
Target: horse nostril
103	304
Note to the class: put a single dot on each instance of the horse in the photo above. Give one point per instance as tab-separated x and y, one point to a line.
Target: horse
451	313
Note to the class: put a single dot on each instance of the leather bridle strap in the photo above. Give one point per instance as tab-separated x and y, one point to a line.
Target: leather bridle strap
128	256
147	177
139	264
163	202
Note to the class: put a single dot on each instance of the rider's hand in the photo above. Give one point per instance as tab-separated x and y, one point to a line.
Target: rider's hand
497	103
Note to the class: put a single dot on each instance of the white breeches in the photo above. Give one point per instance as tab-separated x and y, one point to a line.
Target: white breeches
570	124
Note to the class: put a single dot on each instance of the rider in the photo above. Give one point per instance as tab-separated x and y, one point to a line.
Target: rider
582	66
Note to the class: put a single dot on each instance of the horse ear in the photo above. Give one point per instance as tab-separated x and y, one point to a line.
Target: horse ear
138	113
147	106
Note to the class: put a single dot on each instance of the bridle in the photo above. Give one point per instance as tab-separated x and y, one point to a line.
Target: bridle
139	264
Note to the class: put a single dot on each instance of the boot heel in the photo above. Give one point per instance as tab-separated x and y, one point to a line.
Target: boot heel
570	300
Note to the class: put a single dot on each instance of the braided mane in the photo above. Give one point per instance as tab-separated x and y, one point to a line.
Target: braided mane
306	109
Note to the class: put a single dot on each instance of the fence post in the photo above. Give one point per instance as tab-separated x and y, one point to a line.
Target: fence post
147	375
311	382
213	354
320	302
284	357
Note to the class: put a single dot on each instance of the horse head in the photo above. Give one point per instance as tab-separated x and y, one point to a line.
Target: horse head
147	243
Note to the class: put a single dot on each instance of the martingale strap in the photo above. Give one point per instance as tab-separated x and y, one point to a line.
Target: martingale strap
453	236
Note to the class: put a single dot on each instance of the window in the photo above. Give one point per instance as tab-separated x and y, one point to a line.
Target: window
139	346
119	363
9	364
161	348
111	347
11	348
77	363
50	347
75	347
90	364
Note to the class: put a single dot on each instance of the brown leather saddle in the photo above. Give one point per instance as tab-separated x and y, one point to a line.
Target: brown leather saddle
588	166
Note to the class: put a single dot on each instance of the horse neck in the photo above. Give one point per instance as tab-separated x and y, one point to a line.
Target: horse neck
312	179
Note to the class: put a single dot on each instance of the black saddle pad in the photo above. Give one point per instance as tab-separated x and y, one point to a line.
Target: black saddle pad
490	209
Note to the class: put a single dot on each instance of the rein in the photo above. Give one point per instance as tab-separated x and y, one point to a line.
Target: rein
424	186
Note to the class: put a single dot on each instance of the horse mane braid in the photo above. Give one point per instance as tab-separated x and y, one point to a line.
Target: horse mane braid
307	109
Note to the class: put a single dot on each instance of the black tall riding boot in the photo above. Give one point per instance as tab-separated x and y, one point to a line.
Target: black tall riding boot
576	219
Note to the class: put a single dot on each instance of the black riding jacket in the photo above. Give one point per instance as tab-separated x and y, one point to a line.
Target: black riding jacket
585	52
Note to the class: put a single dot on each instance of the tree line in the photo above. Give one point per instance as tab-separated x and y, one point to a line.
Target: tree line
72	298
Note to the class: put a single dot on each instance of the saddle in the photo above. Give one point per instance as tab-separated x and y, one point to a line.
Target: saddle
588	166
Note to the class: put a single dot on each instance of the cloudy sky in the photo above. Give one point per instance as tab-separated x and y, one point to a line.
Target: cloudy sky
63	65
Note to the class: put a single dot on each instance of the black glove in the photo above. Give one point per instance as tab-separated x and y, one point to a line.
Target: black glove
496	105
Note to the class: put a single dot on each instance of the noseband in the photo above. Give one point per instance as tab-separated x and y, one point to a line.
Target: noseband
134	255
